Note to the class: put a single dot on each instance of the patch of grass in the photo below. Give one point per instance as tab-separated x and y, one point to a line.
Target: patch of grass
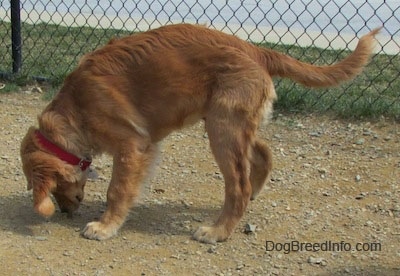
8	87
59	48
50	92
52	51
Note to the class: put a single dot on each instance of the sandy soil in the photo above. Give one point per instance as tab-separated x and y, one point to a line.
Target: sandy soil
335	183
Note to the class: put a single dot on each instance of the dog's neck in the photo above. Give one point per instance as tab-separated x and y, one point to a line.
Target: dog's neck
46	144
59	131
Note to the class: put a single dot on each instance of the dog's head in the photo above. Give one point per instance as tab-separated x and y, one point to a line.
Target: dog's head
47	174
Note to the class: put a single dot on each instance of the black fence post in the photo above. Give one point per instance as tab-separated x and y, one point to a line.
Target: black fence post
16	35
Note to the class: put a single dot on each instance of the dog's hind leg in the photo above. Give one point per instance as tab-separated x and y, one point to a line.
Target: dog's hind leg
130	166
234	112
230	138
261	166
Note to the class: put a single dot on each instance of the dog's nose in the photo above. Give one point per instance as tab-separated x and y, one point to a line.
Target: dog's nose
67	210
79	198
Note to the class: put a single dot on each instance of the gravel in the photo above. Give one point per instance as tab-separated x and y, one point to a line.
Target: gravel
333	181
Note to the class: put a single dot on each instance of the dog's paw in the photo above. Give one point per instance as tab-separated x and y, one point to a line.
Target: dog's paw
96	230
210	234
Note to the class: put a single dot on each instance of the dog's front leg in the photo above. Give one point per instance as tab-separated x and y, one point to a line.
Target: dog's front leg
130	166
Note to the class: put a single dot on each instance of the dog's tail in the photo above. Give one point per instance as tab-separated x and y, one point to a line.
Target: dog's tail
281	65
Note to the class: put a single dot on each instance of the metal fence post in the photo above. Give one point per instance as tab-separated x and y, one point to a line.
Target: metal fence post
16	35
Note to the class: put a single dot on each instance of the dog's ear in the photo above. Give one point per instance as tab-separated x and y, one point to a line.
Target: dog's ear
41	170
36	170
41	177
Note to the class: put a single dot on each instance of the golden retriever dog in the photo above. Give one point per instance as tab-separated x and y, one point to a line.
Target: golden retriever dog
125	97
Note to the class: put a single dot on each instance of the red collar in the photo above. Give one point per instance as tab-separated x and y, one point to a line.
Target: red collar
71	159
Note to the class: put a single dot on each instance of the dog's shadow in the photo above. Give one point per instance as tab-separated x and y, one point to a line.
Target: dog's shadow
17	216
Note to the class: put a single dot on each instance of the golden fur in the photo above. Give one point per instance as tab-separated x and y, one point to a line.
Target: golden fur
127	96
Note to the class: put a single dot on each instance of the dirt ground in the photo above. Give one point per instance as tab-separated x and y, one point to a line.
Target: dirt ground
331	208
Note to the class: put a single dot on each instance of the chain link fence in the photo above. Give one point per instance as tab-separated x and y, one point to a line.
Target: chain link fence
55	34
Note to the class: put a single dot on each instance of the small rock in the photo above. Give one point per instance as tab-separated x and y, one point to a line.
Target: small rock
186	203
249	228
367	132
357	177
273	204
41	238
159	191
212	249
360	141
315	134
36	89
369	223
322	171
198	219
361	196
313	260
66	253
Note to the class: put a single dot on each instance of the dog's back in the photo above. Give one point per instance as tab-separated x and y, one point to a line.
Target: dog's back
195	43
